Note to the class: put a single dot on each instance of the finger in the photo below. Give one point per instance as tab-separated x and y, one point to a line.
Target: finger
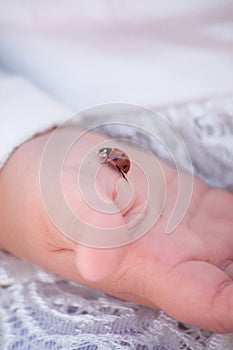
96	264
218	203
201	294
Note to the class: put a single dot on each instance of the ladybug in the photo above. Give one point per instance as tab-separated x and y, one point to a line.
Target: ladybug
117	158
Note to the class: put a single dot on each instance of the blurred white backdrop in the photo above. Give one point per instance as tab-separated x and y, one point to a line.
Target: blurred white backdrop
147	52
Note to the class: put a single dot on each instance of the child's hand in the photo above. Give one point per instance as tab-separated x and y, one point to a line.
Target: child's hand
188	273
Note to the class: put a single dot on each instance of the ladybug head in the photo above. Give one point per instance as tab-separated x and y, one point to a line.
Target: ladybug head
104	151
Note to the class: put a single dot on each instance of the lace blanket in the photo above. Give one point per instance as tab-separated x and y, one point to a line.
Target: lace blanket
42	311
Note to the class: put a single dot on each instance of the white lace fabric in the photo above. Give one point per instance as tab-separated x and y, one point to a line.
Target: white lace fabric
42	311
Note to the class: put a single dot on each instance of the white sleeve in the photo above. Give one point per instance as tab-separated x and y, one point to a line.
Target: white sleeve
25	111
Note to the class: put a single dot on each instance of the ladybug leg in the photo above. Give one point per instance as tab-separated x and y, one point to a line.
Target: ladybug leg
105	160
122	173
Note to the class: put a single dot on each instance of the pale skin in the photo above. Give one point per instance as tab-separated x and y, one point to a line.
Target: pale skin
188	274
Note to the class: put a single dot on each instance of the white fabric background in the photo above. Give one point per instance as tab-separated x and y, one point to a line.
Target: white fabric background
25	110
151	52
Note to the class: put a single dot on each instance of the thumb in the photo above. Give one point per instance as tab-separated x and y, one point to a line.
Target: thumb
104	229
98	263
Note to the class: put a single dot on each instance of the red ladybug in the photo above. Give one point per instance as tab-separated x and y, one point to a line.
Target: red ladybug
117	158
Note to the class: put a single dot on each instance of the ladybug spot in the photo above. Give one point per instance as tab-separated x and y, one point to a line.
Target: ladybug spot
125	166
123	155
115	159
